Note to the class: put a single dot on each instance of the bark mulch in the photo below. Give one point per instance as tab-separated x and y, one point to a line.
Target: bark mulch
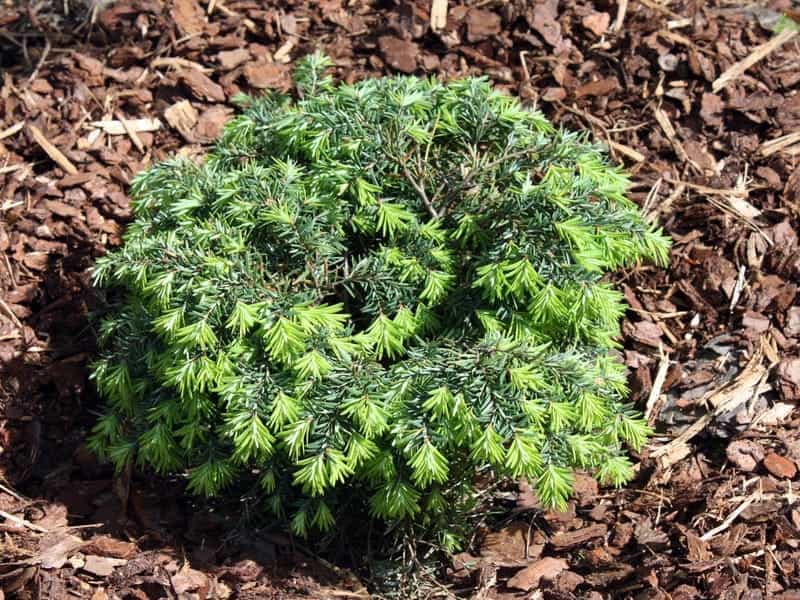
700	101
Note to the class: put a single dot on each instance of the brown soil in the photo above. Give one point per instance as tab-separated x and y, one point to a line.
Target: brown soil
713	343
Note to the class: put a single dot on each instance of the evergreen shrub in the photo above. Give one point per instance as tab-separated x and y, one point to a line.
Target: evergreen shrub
369	296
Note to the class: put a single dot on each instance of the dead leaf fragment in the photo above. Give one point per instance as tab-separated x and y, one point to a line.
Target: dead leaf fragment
647	535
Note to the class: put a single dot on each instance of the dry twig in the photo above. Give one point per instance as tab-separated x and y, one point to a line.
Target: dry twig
8	132
737	392
113	127
621	12
770	147
137	141
738	69
53	152
658	384
731	517
22	522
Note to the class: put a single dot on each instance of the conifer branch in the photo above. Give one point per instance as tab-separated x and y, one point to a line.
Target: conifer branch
421	191
293	316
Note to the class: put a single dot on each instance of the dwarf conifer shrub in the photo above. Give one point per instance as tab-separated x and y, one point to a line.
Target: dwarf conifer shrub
368	295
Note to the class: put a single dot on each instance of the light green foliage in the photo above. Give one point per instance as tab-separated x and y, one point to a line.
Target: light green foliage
369	295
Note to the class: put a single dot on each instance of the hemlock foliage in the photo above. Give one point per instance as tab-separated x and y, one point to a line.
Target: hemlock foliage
371	294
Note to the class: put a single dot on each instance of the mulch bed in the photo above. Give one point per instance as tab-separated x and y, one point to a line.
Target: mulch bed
713	342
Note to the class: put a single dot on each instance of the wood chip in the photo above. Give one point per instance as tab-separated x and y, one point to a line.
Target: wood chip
438	14
102	566
579	536
179	63
529	578
183	117
53	152
115	127
759	53
201	86
282	54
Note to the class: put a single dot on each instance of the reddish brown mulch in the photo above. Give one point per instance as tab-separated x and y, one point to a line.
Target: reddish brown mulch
712	513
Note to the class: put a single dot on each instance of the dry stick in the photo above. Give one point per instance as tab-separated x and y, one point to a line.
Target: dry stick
22	522
137	141
46	51
770	147
11	492
674	195
737	289
730	396
669	131
660	8
522	61
10	313
652	194
10	271
421	191
592	120
621	11
178	63
438	14
52	151
11	130
731	517
138	125
658	383
736	70
627	151
12	168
